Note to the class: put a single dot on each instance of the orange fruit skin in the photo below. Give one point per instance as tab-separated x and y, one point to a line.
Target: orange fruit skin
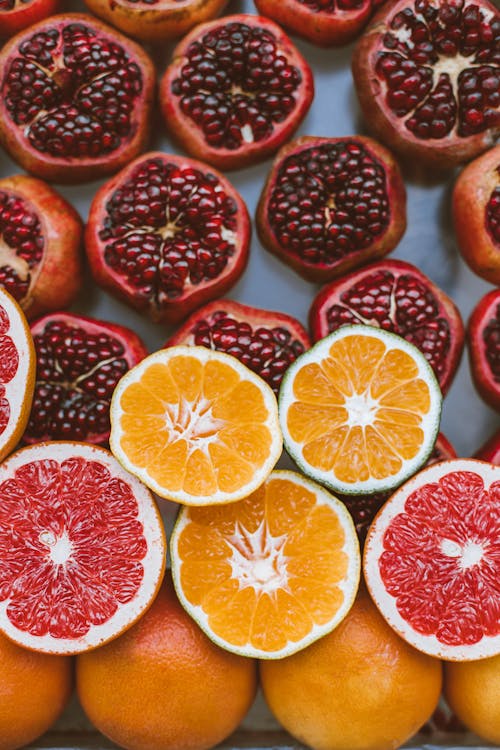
472	690
163	685
34	689
360	687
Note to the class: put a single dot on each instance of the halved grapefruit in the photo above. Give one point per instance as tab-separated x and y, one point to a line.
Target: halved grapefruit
432	560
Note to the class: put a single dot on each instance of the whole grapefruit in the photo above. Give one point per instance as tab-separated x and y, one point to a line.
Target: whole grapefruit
472	690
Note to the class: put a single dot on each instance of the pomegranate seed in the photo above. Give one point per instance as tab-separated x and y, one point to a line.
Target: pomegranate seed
21	231
491	338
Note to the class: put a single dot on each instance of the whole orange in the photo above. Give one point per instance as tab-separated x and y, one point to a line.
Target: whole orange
472	690
34	688
163	685
359	688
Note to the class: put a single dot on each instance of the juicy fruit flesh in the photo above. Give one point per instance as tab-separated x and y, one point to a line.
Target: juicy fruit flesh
72	91
491	339
493	212
448	534
77	372
167	228
398	303
266	351
440	66
71	546
9	365
236	85
329	201
359	412
21	243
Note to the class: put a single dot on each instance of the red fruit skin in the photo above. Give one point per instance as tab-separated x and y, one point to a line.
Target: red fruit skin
437	154
56	281
318	323
166	19
380	247
26	14
325	29
191	138
490	450
175	310
471	195
484	311
71	170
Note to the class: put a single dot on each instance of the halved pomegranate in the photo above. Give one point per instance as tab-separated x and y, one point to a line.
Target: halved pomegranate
75	98
167	234
79	361
328	23
40	244
476	215
427	74
484	347
236	90
267	342
16	15
332	204
156	20
396	296
490	450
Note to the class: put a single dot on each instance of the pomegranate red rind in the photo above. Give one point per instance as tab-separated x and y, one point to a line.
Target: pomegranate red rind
40	239
484	347
476	215
75	98
328	24
265	341
167	234
428	80
432	560
156	20
490	450
83	548
398	297
332	204
238	106
15	15
79	363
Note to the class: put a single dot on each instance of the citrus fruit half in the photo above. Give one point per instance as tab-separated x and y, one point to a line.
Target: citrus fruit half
82	547
195	425
17	373
266	576
360	410
432	560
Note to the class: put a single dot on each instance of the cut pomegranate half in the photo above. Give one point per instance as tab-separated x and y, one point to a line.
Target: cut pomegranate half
396	296
332	204
40	245
237	89
75	100
484	347
82	544
167	234
432	560
16	15
476	214
427	74
328	23
490	450
267	342
79	361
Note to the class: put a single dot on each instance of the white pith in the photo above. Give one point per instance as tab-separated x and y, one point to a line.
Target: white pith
258	560
193	421
60	548
467	555
362	409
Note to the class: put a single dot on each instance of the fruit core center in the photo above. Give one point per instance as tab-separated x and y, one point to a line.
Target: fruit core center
469	554
362	409
60	548
193	421
257	559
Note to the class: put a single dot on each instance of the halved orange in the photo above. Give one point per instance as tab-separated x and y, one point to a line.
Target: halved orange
266	576
195	425
360	410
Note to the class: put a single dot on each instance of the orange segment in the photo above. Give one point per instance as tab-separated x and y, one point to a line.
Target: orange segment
267	575
359	358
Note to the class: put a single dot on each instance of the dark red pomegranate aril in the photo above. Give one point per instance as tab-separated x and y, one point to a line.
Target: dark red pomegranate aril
491	338
21	243
484	347
493	213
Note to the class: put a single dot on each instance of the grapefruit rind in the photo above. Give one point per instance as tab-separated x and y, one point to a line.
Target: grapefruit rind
349	585
164	356
430	422
153	562
386	603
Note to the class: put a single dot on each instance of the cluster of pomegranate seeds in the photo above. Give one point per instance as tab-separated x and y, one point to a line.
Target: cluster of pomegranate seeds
491	337
76	374
328	201
167	227
21	243
73	91
236	85
267	351
441	67
493	212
